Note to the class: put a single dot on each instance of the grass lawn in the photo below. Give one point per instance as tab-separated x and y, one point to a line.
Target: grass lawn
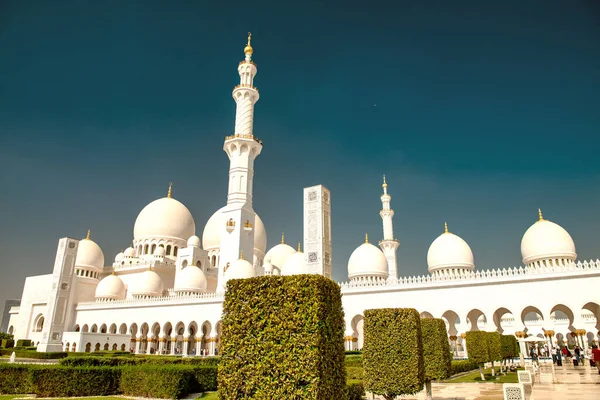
475	377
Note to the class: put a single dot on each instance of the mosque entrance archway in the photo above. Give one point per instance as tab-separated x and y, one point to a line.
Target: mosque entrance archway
503	318
476	320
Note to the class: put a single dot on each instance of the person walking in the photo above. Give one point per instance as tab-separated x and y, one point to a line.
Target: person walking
577	354
554	353
596	357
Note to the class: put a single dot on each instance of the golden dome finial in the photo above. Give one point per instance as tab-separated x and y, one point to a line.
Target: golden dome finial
384	183
248	49
170	189
445	227
299	250
88	234
282	237
540	214
241	254
366	238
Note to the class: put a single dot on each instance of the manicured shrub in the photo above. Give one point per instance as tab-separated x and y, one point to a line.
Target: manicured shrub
58	381
437	357
8	343
393	352
355	391
282	338
165	381
6	336
15	379
478	349
495	348
510	346
459	366
205	378
350	352
32	354
98	361
355	373
353	360
23	342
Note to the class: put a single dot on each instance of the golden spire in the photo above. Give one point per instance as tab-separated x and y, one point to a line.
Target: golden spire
241	254
248	49
384	183
170	189
282	238
540	214
88	234
299	247
366	238
445	227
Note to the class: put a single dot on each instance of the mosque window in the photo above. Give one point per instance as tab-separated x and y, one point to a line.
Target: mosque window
175	251
146	249
198	264
169	250
184	263
39	323
214	261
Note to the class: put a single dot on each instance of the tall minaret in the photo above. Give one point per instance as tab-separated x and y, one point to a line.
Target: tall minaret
388	245
241	148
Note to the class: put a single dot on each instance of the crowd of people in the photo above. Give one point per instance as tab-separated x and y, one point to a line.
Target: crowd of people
577	356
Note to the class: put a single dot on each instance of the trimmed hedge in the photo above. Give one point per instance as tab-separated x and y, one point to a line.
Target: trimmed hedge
356	373
15	379
459	366
89	361
393	352
478	347
23	343
355	391
282	338
57	381
510	346
436	349
168	382
8	343
33	354
495	346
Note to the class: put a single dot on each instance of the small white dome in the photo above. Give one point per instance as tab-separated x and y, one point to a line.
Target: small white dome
239	269
191	279
160	251
368	261
546	240
111	287
268	268
164	218
295	265
279	254
449	251
215	227
148	283
193	241
129	252
89	254
119	257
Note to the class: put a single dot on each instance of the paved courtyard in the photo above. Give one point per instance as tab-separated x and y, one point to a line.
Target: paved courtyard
581	383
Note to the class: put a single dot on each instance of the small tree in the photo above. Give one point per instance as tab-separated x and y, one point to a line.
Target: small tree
510	347
478	349
495	348
437	357
393	352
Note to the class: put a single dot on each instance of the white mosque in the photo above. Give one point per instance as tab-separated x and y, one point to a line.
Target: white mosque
164	293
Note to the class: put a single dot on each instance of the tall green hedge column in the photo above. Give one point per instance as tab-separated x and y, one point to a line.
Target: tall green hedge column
510	348
393	352
437	356
282	338
495	348
478	349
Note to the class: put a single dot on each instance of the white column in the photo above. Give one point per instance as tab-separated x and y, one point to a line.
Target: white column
317	230
173	344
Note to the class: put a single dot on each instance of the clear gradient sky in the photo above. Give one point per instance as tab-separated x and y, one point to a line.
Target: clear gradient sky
477	112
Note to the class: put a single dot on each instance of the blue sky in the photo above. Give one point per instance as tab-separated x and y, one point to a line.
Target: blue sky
477	112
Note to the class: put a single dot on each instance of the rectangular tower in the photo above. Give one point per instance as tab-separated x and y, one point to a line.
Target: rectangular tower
317	230
63	278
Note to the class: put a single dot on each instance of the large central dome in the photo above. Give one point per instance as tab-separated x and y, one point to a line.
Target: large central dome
215	227
164	218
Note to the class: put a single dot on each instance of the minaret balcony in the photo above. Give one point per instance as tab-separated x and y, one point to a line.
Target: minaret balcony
241	136
243	85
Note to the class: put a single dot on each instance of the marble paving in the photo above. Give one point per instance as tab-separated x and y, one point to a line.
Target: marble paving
580	383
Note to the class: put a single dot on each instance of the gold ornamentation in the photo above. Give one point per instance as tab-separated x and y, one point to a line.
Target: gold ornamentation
445	227
299	247
463	335
384	183
241	254
170	189
282	238
366	238
248	49
540	214
88	234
